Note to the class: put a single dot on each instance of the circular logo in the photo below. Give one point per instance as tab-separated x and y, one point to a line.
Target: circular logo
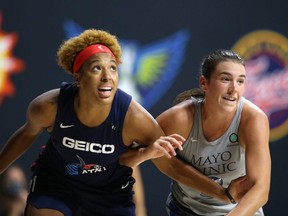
233	138
266	56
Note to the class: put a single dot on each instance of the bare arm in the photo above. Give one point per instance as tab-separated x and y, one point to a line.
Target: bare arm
142	128
179	119
186	174
40	114
254	134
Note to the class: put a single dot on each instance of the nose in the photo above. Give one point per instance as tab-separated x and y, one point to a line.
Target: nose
232	87
106	75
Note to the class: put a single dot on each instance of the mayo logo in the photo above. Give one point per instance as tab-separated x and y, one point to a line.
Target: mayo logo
266	55
8	64
147	71
88	147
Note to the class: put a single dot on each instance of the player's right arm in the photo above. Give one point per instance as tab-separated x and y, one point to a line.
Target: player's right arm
40	115
179	119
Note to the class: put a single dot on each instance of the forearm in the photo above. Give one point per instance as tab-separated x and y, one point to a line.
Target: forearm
164	145
189	176
254	199
17	144
133	157
204	185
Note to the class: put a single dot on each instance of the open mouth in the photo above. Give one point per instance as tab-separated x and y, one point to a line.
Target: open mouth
108	89
229	98
105	92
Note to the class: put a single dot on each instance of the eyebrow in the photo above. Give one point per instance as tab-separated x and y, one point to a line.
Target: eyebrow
229	74
98	60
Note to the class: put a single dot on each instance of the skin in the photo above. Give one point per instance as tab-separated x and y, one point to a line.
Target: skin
97	80
15	206
222	94
139	197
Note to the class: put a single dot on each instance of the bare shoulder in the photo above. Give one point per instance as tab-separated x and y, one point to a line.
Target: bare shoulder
252	112
140	126
136	110
177	119
254	126
177	113
42	109
137	115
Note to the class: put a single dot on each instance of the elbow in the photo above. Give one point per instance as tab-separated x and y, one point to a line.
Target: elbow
265	197
263	194
260	191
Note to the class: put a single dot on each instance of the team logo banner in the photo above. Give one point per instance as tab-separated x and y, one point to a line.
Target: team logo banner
266	55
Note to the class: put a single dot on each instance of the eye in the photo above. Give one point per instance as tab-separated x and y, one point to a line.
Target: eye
241	81
96	68
225	78
113	68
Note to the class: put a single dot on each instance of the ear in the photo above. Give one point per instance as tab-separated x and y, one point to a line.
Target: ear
203	83
76	76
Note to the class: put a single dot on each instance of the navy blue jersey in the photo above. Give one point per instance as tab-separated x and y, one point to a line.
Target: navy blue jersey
84	160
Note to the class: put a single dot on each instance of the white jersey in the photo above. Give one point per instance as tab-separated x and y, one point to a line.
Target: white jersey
222	160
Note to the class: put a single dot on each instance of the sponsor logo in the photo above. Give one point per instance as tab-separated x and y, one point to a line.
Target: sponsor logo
83	168
234	140
87	146
66	126
218	163
125	185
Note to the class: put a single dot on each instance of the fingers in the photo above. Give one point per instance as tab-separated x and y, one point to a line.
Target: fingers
167	153
164	145
175	140
168	144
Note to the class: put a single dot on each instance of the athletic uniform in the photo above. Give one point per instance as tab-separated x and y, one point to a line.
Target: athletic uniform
78	171
222	160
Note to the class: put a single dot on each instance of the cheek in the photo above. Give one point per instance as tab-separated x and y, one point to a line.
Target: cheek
116	77
241	90
218	87
89	81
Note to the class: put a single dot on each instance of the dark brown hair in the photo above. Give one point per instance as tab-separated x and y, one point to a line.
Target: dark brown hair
208	66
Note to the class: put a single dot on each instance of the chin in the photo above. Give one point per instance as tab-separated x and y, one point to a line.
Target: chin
106	100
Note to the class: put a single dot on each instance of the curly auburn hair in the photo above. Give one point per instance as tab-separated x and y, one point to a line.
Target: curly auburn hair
69	49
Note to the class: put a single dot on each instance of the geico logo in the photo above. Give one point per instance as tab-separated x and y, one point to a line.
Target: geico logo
89	147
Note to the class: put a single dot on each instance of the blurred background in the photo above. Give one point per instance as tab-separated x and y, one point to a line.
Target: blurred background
163	44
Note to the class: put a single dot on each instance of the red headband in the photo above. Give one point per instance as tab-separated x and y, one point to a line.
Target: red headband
87	53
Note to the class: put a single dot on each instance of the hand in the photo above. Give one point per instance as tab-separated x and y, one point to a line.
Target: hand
165	145
238	188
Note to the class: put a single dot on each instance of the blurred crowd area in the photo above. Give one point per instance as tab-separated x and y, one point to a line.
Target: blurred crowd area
13	191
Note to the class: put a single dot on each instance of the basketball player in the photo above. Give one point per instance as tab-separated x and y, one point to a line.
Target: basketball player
91	123
226	138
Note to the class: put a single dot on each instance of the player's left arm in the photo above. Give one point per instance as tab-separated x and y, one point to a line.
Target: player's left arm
254	137
140	127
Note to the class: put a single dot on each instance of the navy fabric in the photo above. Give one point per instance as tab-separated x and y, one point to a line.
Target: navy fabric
79	165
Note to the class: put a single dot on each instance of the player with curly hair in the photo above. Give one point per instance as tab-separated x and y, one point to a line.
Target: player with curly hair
86	166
